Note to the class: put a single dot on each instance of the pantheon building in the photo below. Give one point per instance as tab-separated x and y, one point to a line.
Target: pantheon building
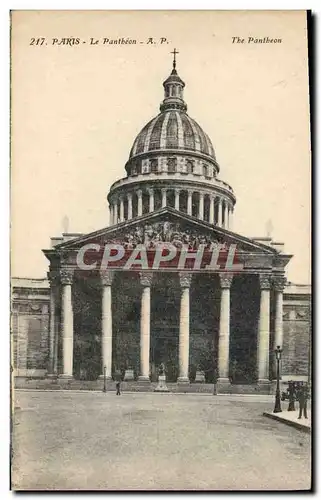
203	324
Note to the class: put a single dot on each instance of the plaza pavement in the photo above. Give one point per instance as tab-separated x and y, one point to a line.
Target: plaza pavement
137	441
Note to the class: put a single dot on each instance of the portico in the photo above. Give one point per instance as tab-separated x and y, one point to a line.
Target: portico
127	312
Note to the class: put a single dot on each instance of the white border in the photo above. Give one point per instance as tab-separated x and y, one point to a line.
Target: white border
4	179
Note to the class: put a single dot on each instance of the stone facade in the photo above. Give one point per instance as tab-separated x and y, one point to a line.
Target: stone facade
30	326
203	323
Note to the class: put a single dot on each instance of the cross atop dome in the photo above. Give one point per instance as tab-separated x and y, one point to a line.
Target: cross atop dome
174	58
173	87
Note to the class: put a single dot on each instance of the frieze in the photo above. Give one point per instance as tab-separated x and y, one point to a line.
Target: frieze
152	235
303	313
297	313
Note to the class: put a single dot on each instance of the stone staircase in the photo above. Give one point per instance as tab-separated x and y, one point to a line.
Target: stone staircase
135	386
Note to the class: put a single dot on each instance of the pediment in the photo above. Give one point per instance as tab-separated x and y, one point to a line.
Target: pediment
170	226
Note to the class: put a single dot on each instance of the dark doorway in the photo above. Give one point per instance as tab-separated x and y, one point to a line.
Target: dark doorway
165	300
245	297
87	329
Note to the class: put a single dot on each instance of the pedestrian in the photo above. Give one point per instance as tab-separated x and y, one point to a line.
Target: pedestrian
292	395
303	400
118	388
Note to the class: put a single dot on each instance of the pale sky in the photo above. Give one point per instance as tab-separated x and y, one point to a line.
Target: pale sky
76	111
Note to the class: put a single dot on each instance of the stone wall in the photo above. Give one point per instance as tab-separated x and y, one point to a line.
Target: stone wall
29	327
297	333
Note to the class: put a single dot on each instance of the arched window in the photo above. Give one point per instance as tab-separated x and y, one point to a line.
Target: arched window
154	165
171	165
205	170
189	167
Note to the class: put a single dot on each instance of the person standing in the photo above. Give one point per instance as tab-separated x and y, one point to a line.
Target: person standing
118	381
303	400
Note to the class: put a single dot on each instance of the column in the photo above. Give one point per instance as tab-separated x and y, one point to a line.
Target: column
115	213
111	215
189	202
146	282
224	333
151	200
139	202
66	276
263	342
279	283
201	207
106	322
52	277
177	192
224	214
185	282
164	197
231	219
212	199
219	213
121	215
130	206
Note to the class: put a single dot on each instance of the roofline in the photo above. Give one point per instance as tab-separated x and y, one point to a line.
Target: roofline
148	217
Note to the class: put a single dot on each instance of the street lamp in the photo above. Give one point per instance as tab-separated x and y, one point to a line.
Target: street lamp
105	380
277	407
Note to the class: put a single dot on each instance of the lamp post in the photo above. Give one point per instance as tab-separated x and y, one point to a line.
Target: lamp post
105	380
277	407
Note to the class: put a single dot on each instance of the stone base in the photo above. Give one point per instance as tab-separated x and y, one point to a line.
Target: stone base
101	377
143	378
161	386
52	376
263	381
223	385
183	380
200	377
66	377
223	381
129	374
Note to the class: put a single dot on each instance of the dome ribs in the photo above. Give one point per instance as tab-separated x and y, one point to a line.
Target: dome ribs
189	140
155	138
140	140
172	132
202	138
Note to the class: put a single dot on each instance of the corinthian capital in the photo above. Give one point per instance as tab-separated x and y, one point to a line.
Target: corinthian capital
278	283
106	277
265	281
226	280
66	275
185	279
146	278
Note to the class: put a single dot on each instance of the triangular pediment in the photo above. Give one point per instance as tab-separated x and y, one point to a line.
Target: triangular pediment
170	226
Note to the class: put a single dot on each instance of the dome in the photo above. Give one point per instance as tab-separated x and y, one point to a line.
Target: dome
172	130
